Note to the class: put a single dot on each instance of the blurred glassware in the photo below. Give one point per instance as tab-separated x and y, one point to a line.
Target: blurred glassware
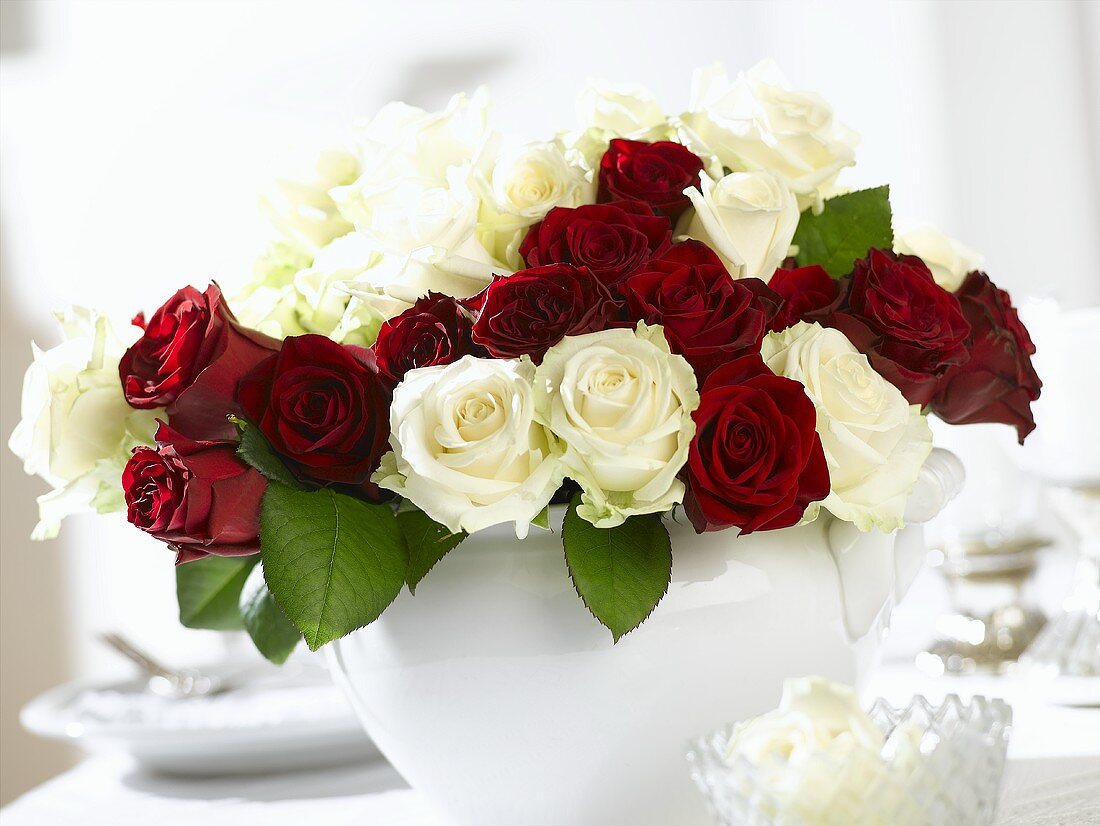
1065	452
939	765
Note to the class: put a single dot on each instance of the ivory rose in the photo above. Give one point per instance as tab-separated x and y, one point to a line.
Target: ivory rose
518	186
758	122
467	449
621	402
875	442
748	218
949	260
77	428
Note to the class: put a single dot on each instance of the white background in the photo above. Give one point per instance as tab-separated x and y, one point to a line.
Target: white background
135	137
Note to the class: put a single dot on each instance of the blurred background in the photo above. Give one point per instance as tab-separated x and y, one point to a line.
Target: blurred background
136	136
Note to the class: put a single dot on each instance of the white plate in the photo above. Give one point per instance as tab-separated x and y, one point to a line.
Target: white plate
277	720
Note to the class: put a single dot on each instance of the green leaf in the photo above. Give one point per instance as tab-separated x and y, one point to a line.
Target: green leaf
333	562
542	519
256	452
848	226
621	573
208	591
274	635
427	541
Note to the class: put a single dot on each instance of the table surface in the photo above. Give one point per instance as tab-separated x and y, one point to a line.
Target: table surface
1053	777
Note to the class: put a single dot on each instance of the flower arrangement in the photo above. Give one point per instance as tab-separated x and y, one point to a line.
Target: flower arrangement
457	329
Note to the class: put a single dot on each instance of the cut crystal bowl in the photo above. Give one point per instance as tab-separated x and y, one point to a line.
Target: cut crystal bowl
938	765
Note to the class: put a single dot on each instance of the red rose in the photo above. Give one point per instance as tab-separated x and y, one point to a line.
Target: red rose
756	461
998	383
911	329
189	359
657	173
197	496
323	407
434	330
530	311
611	240
709	318
804	290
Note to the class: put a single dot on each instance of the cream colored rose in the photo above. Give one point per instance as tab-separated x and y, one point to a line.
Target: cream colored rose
622	403
813	715
875	442
77	430
300	206
467	449
748	218
759	122
949	260
518	186
623	110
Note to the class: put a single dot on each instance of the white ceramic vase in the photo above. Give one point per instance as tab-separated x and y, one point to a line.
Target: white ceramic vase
502	701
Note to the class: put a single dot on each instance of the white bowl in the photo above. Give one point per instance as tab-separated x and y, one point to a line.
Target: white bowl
501	700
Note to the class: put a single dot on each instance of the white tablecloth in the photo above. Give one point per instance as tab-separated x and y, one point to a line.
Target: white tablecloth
1053	778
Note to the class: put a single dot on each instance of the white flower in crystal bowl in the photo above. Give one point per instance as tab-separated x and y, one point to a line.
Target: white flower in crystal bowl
949	260
758	122
748	218
875	441
621	402
467	449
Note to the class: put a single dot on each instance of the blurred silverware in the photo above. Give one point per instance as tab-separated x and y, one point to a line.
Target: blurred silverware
176	684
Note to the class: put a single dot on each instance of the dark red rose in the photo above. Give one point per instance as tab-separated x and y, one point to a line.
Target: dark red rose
804	290
709	318
434	330
189	359
530	311
998	383
612	240
756	461
657	173
911	329
195	495
323	407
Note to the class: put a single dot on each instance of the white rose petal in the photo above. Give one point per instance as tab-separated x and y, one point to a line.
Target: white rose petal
77	429
300	206
874	441
748	218
759	122
622	403
949	260
624	110
467	449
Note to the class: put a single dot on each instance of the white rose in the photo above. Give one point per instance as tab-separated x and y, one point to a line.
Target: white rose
518	186
748	218
467	449
300	206
623	110
949	260
622	403
758	122
875	442
316	299
77	429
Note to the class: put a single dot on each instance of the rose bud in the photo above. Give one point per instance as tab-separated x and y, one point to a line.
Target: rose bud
657	173
708	317
192	343
998	383
197	496
756	461
433	331
804	290
530	311
910	328
323	407
612	240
